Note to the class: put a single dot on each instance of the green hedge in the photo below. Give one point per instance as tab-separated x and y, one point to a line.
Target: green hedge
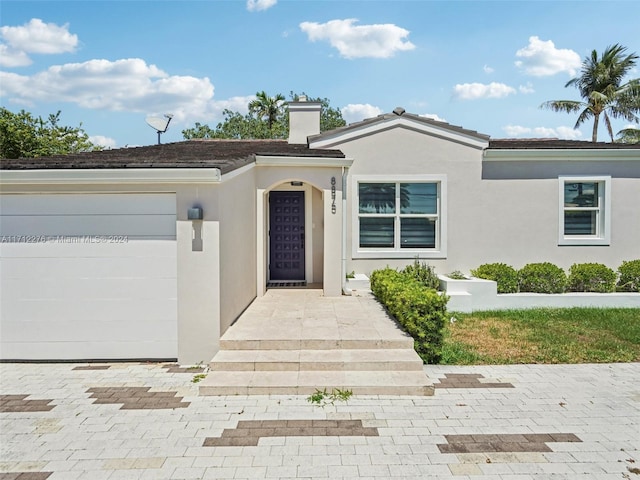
542	278
420	310
423	273
504	275
549	278
591	277
629	276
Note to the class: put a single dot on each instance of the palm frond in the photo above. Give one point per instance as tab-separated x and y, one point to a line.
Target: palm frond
568	106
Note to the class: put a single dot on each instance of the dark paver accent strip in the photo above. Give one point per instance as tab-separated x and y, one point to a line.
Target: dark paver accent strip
249	432
486	443
468	380
136	398
92	367
175	368
25	475
19	403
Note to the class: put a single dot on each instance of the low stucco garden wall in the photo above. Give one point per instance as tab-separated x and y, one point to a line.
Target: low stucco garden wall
476	294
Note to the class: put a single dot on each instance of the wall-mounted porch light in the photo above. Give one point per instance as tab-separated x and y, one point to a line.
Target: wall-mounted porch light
195	213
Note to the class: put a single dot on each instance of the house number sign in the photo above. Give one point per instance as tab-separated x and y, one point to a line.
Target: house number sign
333	195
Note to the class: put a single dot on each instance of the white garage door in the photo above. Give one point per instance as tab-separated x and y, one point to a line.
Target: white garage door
88	276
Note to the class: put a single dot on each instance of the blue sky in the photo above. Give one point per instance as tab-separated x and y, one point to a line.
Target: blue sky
482	65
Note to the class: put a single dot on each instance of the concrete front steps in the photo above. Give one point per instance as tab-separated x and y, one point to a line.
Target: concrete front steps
294	342
374	367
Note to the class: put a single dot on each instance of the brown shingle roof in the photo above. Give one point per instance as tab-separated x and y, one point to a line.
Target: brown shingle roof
555	144
227	155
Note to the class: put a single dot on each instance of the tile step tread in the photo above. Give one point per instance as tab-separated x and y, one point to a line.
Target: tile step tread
307	382
314	344
339	359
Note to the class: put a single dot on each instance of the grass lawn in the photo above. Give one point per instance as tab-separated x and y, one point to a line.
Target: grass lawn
571	335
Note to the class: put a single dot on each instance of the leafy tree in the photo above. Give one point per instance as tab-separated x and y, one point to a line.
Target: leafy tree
601	87
255	124
23	135
629	135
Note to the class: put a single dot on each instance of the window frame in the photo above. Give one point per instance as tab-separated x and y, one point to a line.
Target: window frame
440	250
603	215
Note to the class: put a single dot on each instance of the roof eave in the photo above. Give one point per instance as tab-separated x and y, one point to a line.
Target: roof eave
575	154
290	161
108	176
389	121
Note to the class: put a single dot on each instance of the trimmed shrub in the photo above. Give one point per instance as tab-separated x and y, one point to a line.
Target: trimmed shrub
423	273
504	275
542	278
629	280
591	277
420	310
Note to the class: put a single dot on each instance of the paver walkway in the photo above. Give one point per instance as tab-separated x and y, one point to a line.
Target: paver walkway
550	422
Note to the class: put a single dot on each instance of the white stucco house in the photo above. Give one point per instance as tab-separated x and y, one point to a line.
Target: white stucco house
153	252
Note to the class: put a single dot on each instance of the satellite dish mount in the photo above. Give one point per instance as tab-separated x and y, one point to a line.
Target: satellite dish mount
159	124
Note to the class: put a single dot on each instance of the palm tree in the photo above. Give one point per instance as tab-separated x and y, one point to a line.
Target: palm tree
267	107
629	135
600	85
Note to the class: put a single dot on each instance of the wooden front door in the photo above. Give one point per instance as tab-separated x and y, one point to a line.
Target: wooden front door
286	236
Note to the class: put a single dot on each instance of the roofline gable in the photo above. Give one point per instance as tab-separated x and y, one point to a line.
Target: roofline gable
391	121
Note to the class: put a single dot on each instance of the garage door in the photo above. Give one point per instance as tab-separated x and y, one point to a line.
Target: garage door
88	276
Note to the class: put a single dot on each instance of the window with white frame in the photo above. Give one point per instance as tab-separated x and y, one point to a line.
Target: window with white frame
584	210
398	218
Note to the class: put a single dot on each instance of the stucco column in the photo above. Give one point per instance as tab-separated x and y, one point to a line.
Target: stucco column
261	252
198	291
332	281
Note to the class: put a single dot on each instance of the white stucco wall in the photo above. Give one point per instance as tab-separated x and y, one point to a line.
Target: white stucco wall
237	214
496	211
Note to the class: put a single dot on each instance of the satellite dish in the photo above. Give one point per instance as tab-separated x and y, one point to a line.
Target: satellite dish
159	124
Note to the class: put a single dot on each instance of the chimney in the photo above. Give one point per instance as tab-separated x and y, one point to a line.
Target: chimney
304	120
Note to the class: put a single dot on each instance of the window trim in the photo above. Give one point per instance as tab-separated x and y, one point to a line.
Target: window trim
603	236
441	224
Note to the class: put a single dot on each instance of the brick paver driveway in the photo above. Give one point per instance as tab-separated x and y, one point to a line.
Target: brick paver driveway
146	421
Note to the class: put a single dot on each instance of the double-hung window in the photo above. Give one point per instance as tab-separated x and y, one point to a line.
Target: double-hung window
399	217
585	211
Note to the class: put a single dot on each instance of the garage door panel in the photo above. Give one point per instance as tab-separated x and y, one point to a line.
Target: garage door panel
83	298
143	262
92	204
88	248
58	313
73	289
61	268
143	226
79	329
89	350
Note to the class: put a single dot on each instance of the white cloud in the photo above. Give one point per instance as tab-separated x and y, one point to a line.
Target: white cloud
235	104
359	41
121	85
487	69
354	112
257	5
565	133
105	142
10	57
526	89
473	91
433	116
34	37
542	59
